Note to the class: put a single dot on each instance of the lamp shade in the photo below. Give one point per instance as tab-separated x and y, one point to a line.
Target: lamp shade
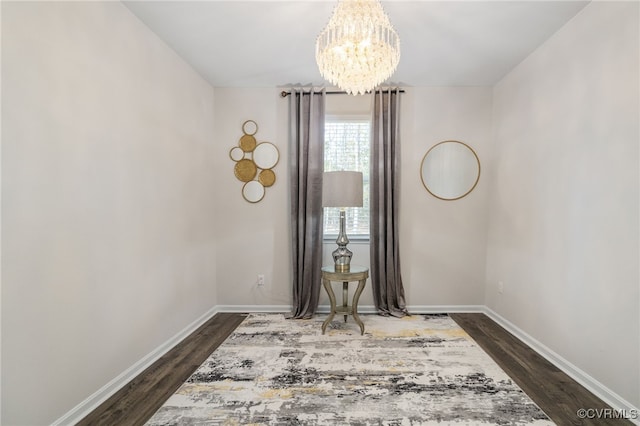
342	189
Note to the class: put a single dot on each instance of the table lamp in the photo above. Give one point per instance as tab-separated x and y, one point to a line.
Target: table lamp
342	189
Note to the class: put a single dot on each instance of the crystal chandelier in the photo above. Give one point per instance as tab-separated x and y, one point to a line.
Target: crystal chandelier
358	49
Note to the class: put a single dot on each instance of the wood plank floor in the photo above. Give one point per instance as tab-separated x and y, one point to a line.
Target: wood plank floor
135	403
555	392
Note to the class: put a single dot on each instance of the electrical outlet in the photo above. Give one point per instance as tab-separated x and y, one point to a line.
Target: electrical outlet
260	280
500	287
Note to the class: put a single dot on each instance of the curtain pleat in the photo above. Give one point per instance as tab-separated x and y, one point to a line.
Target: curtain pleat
386	279
306	140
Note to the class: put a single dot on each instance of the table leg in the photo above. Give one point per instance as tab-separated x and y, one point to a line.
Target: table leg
345	296
332	299
354	306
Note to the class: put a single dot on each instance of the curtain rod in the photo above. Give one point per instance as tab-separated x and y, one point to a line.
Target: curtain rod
285	93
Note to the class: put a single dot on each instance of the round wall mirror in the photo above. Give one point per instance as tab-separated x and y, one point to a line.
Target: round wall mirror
450	170
266	155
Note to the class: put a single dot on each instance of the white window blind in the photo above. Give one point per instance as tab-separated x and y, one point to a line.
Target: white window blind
347	147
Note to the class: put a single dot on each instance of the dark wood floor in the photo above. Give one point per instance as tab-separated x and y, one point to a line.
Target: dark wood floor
555	392
135	403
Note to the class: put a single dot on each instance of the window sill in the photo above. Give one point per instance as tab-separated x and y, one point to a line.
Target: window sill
352	240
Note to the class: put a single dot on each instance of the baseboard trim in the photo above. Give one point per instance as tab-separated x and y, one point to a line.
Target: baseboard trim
246	309
594	386
83	409
362	309
445	309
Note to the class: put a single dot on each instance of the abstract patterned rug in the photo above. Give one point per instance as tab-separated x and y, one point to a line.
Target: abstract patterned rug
419	370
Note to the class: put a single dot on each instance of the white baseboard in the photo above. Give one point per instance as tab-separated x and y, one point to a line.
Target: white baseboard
362	309
81	410
242	309
444	309
594	386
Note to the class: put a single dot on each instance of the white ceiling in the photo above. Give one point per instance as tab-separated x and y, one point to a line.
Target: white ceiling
272	43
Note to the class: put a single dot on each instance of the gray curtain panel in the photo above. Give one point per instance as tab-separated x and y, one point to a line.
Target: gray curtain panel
386	280
306	164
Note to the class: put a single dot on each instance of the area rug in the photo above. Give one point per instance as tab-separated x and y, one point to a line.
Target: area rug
418	370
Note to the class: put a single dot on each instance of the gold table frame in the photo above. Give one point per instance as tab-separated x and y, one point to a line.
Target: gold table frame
356	273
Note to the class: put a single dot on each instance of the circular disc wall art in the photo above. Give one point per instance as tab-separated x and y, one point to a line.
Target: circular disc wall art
247	143
253	191
236	153
266	155
267	177
245	170
254	163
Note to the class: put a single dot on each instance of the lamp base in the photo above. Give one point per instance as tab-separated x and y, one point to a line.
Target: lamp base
342	258
342	255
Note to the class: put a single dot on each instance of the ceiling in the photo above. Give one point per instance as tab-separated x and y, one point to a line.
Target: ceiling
272	43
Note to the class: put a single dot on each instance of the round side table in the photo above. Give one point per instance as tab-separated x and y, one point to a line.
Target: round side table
357	274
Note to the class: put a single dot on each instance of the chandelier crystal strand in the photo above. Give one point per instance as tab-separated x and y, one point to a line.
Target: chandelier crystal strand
358	49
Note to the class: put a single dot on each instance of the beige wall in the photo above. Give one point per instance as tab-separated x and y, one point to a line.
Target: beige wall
255	238
108	207
563	233
443	242
252	238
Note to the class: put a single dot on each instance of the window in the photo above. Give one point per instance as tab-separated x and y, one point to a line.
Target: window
347	147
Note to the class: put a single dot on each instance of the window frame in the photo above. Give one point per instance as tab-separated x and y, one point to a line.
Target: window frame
350	118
